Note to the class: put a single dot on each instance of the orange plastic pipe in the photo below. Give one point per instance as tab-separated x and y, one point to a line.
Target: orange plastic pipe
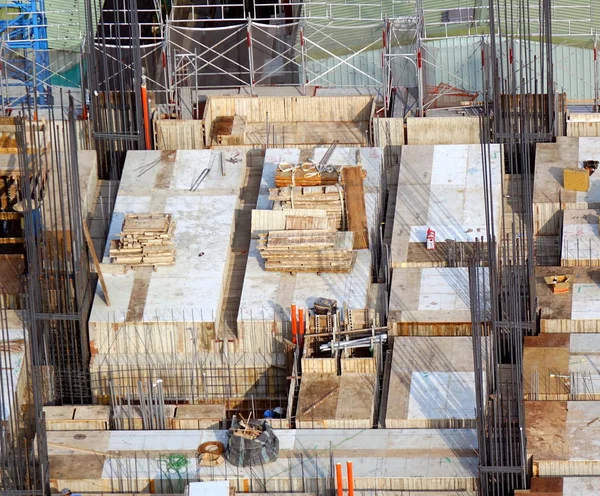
294	324
350	478
301	324
146	114
338	478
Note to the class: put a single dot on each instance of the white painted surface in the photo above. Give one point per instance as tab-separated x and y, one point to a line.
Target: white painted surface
11	371
444	289
456	207
586	301
589	149
267	295
581	486
209	488
442	395
191	288
580	238
412	452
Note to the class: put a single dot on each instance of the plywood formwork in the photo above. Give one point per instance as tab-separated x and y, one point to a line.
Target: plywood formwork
549	195
130	417
391	460
266	299
583	125
580	238
14	375
175	308
199	417
561	367
331	401
431	301
193	377
12	270
289	121
575	311
443	131
77	418
431	385
441	188
178	134
560	438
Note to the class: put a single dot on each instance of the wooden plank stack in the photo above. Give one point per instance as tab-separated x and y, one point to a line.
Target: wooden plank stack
304	175
328	198
145	241
307	251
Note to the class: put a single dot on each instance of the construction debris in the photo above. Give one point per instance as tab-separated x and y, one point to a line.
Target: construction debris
558	283
328	198
251	443
145	241
307	251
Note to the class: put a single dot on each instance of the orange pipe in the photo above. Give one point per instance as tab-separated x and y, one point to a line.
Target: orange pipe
338	478
294	324
301	324
350	478
146	114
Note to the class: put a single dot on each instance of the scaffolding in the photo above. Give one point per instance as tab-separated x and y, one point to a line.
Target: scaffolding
37	44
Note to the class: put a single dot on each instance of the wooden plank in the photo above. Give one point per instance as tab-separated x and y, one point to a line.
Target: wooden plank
90	244
12	267
356	212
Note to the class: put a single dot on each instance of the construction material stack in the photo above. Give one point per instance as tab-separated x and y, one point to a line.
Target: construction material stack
145	241
328	198
307	250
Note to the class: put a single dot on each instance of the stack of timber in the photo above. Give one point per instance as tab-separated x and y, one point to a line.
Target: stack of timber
305	174
145	241
327	198
307	251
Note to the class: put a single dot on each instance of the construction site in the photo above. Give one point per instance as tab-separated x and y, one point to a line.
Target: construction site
312	248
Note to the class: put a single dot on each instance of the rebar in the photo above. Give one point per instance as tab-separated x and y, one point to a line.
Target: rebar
519	111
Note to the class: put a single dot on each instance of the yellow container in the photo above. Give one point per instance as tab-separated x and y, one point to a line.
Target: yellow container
576	179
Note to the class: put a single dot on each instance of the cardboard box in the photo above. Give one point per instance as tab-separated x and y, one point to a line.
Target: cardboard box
576	179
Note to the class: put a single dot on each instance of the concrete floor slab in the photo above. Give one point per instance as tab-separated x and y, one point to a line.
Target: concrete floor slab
562	367
572	312
432	383
189	290
563	437
426	299
441	188
268	295
398	459
580	238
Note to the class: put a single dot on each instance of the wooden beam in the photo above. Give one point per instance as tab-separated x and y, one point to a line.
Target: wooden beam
356	212
90	244
10	215
11	241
